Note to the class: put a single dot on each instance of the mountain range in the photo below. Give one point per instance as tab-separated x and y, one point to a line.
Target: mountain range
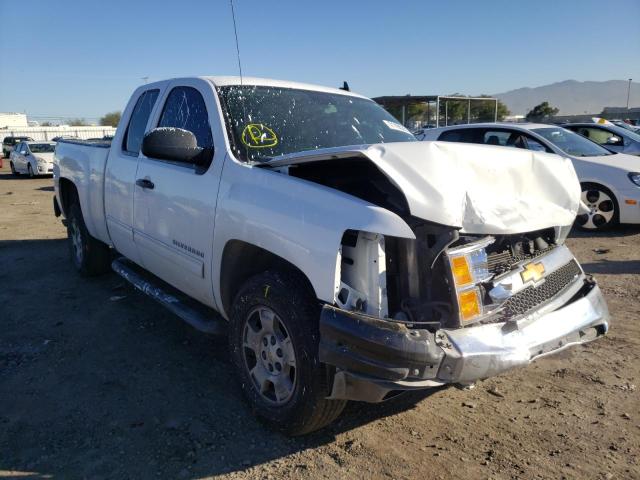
572	97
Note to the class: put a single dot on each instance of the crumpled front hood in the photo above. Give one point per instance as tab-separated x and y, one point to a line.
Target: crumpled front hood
482	189
478	188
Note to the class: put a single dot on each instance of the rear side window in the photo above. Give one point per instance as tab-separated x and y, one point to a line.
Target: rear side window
185	108
458	135
138	122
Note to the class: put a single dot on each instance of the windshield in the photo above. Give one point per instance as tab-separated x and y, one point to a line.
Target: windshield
42	147
265	122
572	143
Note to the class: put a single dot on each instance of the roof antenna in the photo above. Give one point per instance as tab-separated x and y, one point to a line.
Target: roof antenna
345	87
235	30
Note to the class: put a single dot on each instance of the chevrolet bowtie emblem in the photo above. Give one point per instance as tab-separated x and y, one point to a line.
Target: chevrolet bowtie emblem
532	271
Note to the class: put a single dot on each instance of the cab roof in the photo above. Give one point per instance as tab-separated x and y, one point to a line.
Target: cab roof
226	81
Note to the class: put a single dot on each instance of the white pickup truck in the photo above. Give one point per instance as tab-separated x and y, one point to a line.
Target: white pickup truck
346	260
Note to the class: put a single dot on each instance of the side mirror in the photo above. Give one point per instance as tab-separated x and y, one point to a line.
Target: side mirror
175	144
23	152
613	140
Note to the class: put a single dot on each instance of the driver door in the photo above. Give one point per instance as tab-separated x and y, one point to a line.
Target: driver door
174	202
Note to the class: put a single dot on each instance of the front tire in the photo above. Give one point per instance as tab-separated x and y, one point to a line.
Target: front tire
14	172
274	345
604	212
30	171
89	255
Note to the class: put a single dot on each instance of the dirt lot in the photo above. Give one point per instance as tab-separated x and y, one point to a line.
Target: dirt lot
97	381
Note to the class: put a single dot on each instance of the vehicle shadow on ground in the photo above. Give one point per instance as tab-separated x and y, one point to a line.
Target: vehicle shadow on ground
46	189
613	267
23	176
97	380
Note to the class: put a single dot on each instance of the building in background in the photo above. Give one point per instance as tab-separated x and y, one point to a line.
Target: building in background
609	113
13	120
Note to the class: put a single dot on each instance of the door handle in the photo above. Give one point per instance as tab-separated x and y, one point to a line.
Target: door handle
145	183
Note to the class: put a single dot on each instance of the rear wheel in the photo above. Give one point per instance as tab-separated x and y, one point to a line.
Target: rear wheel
603	208
274	344
89	255
14	172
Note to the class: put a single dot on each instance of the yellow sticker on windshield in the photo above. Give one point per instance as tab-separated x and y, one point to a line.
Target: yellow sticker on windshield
257	135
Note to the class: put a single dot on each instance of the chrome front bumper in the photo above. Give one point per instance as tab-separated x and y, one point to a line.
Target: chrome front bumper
487	350
373	358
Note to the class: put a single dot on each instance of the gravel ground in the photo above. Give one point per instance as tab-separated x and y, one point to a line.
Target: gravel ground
97	381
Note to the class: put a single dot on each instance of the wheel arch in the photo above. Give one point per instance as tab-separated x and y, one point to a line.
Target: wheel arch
241	261
68	193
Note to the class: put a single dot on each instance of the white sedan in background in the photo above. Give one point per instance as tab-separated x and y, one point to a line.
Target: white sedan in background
32	158
610	181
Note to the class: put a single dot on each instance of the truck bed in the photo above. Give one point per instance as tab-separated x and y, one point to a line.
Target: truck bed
83	162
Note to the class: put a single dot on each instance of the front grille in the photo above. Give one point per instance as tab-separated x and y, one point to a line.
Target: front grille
531	297
501	262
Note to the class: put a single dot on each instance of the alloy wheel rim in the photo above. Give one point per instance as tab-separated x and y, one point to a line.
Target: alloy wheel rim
601	210
76	241
269	355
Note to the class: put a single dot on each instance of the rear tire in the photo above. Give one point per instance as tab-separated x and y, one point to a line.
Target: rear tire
274	340
604	211
89	255
14	172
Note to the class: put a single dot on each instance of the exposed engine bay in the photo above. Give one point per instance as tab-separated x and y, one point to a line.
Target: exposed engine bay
414	281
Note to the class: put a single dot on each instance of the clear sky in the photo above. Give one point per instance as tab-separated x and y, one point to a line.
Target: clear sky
83	58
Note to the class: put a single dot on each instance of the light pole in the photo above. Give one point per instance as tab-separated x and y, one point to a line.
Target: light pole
628	92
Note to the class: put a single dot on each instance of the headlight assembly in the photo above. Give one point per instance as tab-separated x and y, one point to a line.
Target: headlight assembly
469	268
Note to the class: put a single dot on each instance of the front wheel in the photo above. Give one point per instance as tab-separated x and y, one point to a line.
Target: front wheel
14	172
274	345
30	171
603	208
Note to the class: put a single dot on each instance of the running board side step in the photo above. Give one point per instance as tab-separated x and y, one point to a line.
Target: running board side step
194	313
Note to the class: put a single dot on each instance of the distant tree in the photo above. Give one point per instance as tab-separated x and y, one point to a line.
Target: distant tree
484	111
78	122
46	124
541	112
111	119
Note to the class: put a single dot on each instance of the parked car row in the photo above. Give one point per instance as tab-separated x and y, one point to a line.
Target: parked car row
610	181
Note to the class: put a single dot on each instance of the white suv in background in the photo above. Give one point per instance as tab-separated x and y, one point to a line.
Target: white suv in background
610	181
32	158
